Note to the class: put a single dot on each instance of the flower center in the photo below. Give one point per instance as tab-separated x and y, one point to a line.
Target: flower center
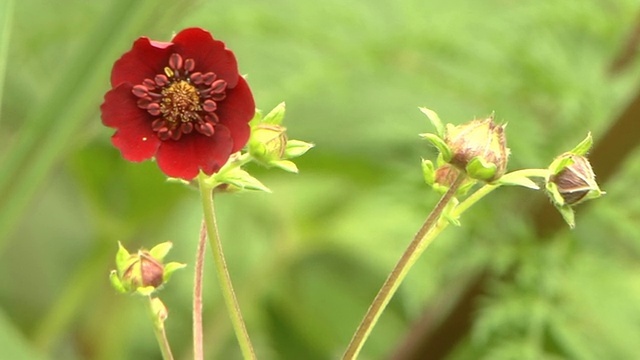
181	100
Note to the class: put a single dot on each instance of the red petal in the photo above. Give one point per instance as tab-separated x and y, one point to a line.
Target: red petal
208	53
236	111
186	157
145	59
134	137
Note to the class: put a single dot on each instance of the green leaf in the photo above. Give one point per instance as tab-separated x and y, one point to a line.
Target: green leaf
480	170
276	115
554	193
440	144
513	179
116	283
243	180
170	268
583	147
296	148
429	172
145	291
122	258
285	165
567	214
435	120
257	118
159	251
560	163
448	213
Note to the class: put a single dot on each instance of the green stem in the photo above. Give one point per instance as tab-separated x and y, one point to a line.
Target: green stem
431	228
158	313
399	272
206	194
198	347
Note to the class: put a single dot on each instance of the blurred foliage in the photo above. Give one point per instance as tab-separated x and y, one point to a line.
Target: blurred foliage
307	259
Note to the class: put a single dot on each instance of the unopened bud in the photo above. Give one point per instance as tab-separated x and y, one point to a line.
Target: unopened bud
268	142
144	271
479	148
575	182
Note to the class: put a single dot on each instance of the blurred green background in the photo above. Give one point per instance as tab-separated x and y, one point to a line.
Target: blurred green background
307	259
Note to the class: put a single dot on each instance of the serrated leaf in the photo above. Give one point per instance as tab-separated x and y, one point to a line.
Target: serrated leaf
435	120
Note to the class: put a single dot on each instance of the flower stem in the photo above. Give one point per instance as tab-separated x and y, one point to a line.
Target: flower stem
425	236
198	348
206	194
158	313
397	275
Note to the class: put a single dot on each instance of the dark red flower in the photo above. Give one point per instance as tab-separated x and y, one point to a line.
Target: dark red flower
182	102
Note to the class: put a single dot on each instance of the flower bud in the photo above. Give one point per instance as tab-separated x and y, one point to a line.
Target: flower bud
479	148
144	271
268	142
574	181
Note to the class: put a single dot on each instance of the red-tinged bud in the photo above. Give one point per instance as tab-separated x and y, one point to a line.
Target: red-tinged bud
575	182
478	148
144	271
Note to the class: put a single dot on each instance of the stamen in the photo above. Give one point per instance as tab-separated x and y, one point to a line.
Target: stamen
175	61
189	65
140	91
161	80
206	129
181	100
158	124
209	105
196	78
154	109
208	78
144	103
149	84
186	127
219	86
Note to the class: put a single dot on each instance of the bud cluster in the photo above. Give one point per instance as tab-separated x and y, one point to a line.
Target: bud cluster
477	150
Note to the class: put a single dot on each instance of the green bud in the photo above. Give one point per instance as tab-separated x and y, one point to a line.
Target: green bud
478	148
142	272
268	142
